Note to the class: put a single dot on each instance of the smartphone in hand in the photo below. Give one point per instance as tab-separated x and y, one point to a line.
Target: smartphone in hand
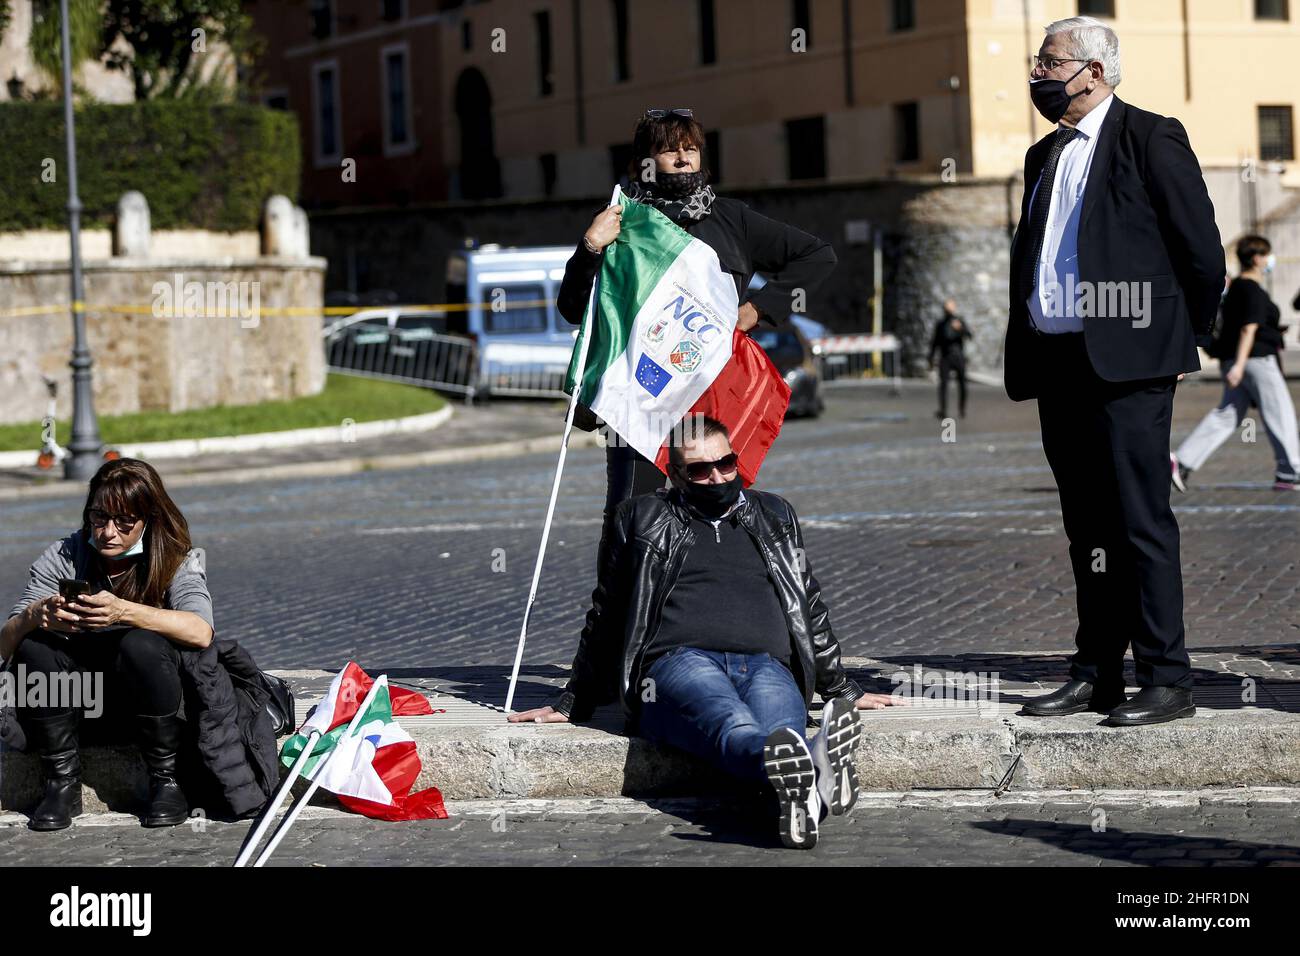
70	588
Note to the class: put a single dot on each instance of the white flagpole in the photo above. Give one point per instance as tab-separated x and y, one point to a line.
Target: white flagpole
586	333
317	773
269	815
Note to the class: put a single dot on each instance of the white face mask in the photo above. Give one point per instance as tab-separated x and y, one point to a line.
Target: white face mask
137	548
1270	263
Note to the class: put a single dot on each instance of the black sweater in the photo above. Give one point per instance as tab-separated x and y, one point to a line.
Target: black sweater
723	599
745	242
1248	304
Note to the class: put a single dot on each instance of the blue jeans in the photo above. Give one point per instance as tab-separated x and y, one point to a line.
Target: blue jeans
720	706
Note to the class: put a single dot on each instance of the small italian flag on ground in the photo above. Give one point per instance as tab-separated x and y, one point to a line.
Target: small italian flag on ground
372	769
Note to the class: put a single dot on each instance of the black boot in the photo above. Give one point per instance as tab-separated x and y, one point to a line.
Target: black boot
160	740
55	741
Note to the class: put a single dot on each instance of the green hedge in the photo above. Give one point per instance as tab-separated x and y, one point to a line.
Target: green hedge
199	165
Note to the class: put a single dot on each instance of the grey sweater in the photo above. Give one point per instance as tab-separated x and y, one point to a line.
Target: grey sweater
74	557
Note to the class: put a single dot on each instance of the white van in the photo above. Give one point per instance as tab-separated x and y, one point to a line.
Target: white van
509	294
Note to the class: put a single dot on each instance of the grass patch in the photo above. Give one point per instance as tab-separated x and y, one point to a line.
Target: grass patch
344	396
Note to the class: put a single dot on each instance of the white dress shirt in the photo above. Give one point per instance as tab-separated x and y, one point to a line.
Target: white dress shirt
1052	302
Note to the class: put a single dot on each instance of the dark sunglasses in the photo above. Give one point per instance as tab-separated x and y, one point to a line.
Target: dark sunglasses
675	111
100	519
700	470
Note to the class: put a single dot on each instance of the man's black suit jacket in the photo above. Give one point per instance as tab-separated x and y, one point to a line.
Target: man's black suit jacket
1146	218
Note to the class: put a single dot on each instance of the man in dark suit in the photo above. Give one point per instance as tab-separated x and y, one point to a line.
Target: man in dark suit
1116	268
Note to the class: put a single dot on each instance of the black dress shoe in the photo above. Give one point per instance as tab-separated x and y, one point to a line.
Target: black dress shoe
1153	705
1075	697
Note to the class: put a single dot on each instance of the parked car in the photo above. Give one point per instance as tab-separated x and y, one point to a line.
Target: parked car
792	354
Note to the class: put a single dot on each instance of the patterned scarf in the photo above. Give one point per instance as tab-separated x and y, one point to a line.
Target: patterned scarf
679	196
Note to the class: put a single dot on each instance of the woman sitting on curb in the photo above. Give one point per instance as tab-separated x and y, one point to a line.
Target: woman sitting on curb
124	600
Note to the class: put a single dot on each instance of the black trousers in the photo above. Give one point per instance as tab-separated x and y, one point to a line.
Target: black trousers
1108	446
140	668
628	473
952	366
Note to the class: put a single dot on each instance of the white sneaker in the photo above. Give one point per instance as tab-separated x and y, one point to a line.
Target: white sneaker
833	753
1177	473
790	771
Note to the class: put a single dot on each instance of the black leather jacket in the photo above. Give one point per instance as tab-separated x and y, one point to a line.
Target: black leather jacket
649	539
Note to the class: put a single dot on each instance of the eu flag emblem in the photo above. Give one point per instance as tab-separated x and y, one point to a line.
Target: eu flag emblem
651	376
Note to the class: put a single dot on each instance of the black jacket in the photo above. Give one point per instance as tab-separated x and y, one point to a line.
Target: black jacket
649	540
229	727
745	242
1146	218
948	343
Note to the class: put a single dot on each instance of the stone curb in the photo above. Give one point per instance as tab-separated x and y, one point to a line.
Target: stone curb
1217	748
259	441
327	469
867	800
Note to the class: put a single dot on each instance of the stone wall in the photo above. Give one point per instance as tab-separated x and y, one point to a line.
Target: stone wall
148	362
51	245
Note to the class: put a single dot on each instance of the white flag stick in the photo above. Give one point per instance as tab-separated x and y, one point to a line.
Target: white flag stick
585	334
269	815
319	772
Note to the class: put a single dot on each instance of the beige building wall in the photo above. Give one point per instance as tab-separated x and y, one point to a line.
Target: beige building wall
103	84
757	83
107	86
965	63
1231	63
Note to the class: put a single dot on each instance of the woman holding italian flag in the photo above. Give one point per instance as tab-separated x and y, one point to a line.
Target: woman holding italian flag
669	171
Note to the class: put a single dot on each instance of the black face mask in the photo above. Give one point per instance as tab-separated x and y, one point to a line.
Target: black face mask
676	185
712	501
1050	98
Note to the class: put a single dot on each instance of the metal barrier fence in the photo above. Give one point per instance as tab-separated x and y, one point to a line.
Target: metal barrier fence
849	358
419	356
525	371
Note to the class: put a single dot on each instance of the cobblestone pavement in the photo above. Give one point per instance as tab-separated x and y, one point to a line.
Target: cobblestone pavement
924	547
1025	829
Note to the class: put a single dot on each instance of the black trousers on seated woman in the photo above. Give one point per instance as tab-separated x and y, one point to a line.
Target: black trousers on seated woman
140	668
138	673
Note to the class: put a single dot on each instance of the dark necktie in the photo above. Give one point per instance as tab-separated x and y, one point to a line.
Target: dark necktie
1038	212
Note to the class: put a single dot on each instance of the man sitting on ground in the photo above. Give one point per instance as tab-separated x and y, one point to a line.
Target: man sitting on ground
709	626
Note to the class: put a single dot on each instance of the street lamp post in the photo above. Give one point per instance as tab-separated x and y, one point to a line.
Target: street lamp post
85	446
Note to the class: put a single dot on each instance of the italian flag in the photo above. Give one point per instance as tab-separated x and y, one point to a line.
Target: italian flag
373	768
663	335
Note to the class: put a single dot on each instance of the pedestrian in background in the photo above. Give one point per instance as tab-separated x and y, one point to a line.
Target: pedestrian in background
1247	349
950	335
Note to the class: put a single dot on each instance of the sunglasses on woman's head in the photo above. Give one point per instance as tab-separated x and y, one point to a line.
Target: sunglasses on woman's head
700	470
676	111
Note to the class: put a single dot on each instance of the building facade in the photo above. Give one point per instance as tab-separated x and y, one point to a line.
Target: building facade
532	103
538	98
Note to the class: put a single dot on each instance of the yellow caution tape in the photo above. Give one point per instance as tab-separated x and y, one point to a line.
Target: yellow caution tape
63	309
